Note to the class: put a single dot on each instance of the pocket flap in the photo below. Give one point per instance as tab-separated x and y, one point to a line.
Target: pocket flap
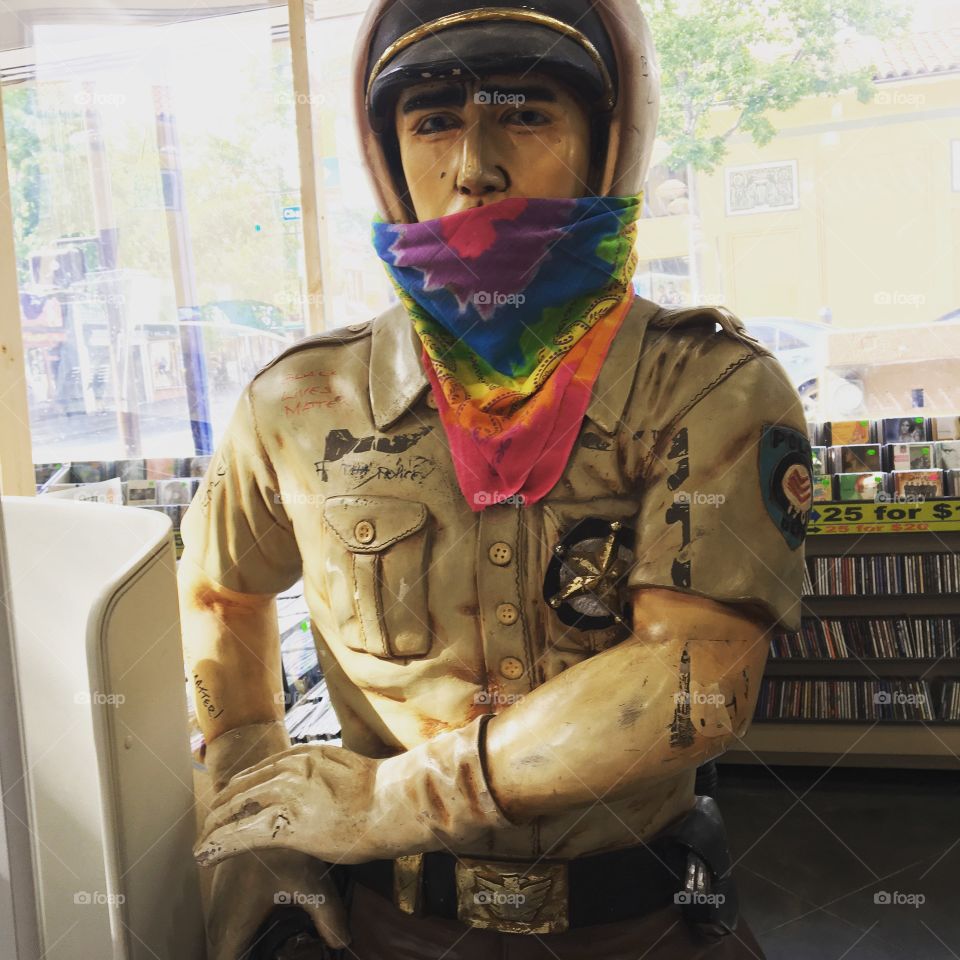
371	524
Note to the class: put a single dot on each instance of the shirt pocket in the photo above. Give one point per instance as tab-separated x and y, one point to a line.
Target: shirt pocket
377	574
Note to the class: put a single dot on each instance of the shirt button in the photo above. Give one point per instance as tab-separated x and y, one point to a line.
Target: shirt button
356	327
507	613
511	668
364	531
431	400
500	553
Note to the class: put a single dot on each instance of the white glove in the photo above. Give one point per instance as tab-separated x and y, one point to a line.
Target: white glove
344	808
248	888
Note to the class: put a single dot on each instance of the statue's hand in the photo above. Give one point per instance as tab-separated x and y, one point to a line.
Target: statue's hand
341	807
313	798
247	888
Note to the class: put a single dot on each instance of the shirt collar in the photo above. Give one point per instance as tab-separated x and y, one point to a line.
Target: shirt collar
397	378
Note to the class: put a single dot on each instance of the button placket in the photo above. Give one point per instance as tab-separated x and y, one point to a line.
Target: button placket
501	611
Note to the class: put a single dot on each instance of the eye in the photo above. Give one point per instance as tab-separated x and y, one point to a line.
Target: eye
527	117
437	123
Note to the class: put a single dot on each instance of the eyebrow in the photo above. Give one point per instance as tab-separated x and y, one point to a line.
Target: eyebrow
452	95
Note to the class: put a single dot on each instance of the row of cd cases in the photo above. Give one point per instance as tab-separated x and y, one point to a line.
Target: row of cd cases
868	471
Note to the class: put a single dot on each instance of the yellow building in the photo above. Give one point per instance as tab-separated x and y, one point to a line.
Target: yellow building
846	223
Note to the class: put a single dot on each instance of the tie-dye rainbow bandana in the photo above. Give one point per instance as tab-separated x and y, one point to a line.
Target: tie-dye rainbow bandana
516	304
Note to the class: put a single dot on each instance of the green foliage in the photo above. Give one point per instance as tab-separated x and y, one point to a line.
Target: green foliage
234	179
23	149
754	57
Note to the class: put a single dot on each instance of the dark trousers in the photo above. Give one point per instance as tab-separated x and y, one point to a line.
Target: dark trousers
382	932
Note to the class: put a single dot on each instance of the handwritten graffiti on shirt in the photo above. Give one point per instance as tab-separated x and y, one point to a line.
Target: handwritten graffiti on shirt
213	480
300	397
341	442
414	469
679	509
293	377
682	731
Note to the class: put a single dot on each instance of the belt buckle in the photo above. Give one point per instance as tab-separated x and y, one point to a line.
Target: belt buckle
512	897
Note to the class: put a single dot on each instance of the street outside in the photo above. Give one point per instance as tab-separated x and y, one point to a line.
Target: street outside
164	432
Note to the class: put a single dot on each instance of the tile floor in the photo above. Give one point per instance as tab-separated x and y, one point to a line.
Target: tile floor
813	847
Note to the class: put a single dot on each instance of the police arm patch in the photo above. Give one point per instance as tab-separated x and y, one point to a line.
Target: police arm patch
786	480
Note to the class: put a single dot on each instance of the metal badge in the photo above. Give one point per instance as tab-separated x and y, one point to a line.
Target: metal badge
584	580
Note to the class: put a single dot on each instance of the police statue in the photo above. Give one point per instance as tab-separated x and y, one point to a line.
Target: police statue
545	529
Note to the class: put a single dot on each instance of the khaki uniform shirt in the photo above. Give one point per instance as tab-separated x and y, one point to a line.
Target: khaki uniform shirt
336	467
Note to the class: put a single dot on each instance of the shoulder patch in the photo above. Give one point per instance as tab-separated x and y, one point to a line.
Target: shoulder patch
786	480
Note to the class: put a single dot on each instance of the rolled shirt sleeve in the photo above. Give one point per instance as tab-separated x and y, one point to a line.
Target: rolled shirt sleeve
727	490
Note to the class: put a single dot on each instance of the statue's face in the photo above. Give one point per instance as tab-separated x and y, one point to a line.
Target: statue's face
470	142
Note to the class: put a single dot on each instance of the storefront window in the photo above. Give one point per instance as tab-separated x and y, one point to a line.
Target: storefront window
831	227
355	284
155	188
155	192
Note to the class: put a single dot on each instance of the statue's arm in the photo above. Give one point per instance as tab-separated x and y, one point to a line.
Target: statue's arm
637	712
240	551
232	652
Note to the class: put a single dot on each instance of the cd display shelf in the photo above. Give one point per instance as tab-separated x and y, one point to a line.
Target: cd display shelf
915	743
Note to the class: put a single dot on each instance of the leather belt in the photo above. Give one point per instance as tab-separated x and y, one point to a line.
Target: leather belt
545	896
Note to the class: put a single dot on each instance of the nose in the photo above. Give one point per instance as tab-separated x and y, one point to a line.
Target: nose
479	175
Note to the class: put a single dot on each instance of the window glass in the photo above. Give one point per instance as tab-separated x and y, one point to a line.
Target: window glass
355	283
156	196
831	227
155	191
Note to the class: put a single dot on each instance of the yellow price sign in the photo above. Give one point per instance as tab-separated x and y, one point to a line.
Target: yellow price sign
889	516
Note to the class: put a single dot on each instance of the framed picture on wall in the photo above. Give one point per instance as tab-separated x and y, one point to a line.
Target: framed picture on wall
762	187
